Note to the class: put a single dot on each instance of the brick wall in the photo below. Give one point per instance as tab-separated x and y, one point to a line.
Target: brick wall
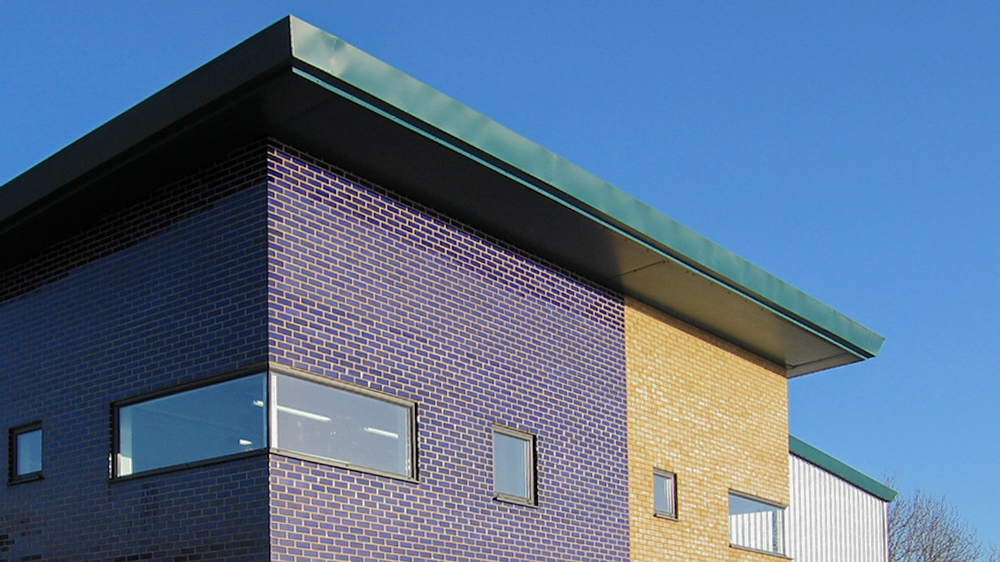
273	256
712	413
168	290
377	291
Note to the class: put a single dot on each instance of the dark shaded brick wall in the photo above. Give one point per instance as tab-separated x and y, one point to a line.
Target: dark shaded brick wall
380	292
272	256
169	290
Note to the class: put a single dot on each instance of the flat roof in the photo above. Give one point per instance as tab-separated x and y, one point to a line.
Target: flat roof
814	456
303	86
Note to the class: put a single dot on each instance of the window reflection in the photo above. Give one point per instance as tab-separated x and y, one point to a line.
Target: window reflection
28	452
513	465
309	418
755	524
342	426
212	421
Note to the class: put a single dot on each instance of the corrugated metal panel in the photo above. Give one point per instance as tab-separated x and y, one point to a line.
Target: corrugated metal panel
831	520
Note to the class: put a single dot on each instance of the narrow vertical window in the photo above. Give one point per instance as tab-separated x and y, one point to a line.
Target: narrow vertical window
26	452
665	493
756	524
513	465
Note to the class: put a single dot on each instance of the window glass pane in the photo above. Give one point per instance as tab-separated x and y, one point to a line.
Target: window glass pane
29	452
664	493
755	524
342	426
512	465
212	421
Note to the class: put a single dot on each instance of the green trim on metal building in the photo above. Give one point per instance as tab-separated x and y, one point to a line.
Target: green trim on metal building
813	455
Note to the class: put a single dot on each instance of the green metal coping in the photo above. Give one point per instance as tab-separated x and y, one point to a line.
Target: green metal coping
813	455
315	55
572	184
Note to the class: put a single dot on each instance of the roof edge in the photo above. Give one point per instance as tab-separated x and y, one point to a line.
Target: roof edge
257	56
576	187
814	456
292	44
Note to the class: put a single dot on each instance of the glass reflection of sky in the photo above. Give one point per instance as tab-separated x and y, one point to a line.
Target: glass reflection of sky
511	457
29	452
231	417
203	423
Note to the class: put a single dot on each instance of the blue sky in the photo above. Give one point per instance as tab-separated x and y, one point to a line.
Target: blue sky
852	150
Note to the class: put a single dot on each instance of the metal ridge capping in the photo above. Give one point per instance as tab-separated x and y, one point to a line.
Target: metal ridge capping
573	186
813	455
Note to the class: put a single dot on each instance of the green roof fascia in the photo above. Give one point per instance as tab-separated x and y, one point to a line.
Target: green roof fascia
573	186
813	455
266	52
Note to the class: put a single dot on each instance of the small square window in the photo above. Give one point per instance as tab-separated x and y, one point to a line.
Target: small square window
665	493
513	465
26	452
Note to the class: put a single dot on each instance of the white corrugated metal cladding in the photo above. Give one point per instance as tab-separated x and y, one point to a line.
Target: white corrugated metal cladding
832	520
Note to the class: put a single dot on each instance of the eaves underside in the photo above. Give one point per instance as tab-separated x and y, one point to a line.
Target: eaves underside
305	87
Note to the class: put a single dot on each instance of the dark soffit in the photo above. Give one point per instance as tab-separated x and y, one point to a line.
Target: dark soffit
301	85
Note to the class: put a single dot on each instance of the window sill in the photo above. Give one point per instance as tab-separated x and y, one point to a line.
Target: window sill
748	549
667	516
337	464
25	478
526	502
189	465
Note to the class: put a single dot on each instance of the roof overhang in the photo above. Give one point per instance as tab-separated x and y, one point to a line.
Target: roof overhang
298	84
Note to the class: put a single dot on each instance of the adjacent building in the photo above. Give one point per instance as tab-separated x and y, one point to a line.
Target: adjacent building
301	306
836	513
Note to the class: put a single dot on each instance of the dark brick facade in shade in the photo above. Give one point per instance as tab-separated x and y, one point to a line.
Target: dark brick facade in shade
379	292
272	256
170	289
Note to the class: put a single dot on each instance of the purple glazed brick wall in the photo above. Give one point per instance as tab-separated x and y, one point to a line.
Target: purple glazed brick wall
373	290
168	290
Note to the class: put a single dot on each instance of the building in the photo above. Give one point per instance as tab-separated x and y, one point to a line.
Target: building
836	512
300	306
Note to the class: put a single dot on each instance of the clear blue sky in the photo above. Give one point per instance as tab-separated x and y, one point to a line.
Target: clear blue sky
852	150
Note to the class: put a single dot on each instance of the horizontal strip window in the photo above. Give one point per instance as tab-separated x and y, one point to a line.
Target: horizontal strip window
756	524
216	420
306	416
343	426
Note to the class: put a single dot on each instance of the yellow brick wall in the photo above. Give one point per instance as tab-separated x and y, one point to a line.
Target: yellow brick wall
710	412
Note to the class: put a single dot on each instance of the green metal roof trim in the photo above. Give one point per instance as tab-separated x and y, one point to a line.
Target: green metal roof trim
571	184
299	84
813	455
